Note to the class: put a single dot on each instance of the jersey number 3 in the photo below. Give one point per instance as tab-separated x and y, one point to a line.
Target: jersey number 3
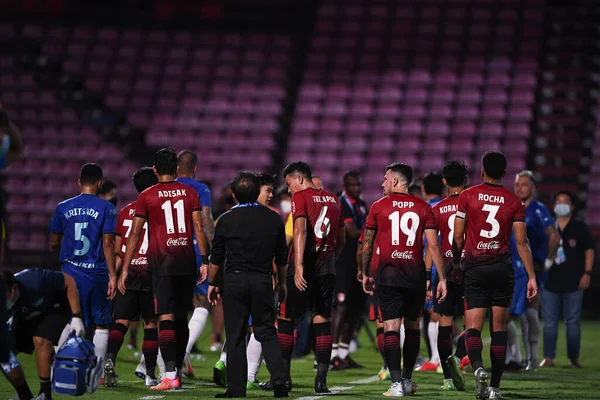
492	221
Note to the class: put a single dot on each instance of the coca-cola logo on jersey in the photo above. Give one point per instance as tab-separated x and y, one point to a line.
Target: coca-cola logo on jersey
404	255
177	242
494	244
140	261
449	254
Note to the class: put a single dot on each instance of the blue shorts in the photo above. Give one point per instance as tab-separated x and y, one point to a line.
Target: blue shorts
250	321
429	304
201	289
518	304
92	288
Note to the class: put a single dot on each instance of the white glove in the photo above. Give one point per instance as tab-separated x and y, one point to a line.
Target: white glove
548	264
77	325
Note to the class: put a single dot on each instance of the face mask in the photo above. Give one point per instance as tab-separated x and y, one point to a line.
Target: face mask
562	210
286	206
113	201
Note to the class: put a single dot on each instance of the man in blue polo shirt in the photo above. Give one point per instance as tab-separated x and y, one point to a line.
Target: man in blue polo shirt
186	171
543	239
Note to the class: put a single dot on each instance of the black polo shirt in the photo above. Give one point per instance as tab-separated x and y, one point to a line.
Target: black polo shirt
576	240
355	210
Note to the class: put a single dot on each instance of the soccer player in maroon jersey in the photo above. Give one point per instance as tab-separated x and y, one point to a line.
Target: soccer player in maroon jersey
173	212
395	225
137	301
488	213
319	237
455	179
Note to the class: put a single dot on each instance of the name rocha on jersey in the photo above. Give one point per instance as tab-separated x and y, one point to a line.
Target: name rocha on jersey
74	212
171	193
491	198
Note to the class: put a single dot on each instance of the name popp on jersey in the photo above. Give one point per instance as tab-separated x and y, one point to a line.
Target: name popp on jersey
403	204
171	193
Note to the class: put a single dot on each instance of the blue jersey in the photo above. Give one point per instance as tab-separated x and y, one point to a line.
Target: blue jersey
40	290
83	221
537	219
205	201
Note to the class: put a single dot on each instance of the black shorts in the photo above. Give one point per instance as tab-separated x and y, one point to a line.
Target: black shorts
48	326
133	304
317	299
398	302
173	293
454	303
348	290
489	285
374	312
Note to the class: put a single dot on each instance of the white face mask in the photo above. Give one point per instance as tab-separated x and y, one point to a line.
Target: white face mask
562	209
286	206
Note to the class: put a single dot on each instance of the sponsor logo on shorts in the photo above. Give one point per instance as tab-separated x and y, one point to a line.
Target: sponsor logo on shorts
177	242
403	255
494	244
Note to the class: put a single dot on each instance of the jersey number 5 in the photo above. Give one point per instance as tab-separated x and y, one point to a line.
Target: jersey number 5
167	207
401	224
80	237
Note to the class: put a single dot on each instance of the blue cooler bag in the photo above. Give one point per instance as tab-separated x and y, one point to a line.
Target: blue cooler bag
76	369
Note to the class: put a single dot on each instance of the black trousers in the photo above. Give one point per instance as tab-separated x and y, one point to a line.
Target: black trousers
245	294
3	327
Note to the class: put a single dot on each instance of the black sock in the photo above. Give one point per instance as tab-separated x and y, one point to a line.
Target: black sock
380	345
182	333
412	345
285	333
24	392
498	357
323	347
150	350
461	349
45	387
445	348
115	340
474	345
168	344
391	346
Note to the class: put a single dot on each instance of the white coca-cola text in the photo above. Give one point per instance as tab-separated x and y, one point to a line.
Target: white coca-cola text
404	255
449	254
140	261
177	242
488	245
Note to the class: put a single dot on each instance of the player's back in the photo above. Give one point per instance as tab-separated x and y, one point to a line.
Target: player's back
123	229
400	220
445	214
324	218
168	208
490	211
83	221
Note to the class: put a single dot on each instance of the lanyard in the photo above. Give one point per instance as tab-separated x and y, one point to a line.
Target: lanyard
347	200
560	233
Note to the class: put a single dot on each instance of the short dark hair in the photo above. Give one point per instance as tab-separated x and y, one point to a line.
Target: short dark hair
402	169
297	167
433	183
90	174
265	179
245	187
566	193
494	163
187	160
165	161
353	173
106	187
143	178
415	190
9	280
455	173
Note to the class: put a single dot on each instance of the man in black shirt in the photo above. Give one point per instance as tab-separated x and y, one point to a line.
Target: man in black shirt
249	236
568	277
350	297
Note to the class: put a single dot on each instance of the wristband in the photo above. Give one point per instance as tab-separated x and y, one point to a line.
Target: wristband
428	274
588	273
548	263
77	315
212	283
204	257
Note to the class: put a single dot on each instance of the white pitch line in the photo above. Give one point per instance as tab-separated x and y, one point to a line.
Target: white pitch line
339	389
151	397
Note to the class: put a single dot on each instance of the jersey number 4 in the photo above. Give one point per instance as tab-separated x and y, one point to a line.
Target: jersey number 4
401	225
168	207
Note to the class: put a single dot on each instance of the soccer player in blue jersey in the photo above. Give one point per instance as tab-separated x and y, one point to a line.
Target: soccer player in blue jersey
83	228
543	239
187	161
433	189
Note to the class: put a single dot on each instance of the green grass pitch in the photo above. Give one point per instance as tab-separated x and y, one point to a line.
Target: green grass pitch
554	383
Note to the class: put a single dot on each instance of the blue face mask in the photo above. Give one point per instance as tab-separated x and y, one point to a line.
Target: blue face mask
562	209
